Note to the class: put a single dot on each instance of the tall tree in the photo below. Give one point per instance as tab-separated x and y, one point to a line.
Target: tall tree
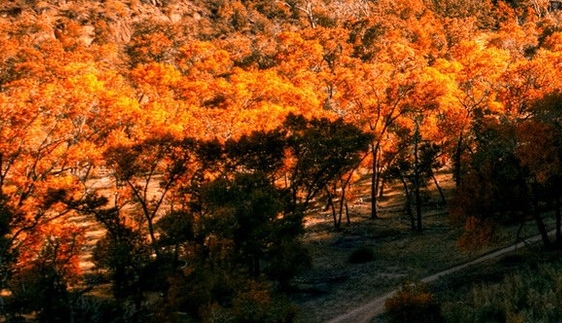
477	81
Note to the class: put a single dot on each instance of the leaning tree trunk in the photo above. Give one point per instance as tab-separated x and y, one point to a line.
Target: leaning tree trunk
343	200
439	188
347	214
341	205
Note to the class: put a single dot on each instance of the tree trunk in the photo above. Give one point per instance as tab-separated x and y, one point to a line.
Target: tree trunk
418	208
374	181
441	193
540	224
458	161
347	214
333	208
342	204
417	179
153	239
343	201
408	204
381	187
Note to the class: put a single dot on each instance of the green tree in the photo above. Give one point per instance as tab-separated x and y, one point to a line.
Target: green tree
147	173
413	165
260	151
543	132
252	206
322	151
498	188
123	251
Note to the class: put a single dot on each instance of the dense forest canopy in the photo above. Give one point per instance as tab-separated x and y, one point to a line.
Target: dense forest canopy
198	134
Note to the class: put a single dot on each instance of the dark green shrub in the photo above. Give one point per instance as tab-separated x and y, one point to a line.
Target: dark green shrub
413	303
361	255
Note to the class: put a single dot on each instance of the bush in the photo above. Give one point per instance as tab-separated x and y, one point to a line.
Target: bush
361	255
413	303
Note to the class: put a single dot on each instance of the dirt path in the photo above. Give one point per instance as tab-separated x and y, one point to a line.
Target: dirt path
366	312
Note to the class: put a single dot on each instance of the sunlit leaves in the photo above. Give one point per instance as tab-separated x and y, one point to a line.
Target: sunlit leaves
103	90
203	59
152	41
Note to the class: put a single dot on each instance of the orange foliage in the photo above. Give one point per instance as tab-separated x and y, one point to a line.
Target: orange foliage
58	245
477	234
70	88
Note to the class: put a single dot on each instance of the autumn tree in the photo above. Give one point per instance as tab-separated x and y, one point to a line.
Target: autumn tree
379	111
544	169
46	282
97	98
59	105
388	75
477	81
122	251
52	112
145	186
504	185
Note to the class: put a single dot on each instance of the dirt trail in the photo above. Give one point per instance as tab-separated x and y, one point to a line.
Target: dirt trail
367	312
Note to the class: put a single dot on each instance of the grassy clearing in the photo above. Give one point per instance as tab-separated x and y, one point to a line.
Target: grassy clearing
334	286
